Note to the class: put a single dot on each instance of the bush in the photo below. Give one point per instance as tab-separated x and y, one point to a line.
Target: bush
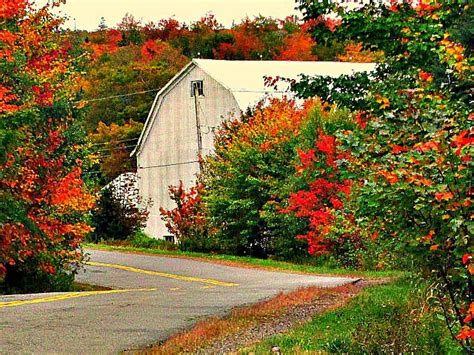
119	213
141	240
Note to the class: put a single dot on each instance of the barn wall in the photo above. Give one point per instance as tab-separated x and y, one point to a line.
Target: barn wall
170	150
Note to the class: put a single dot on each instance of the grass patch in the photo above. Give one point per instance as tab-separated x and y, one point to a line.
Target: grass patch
390	318
243	261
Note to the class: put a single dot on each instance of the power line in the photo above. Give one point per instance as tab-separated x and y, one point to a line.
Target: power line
117	96
116	148
166	165
148	167
121	141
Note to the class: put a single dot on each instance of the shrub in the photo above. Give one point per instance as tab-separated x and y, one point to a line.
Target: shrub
119	212
140	240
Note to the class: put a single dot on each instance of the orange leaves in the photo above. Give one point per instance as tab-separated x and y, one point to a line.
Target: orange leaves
12	8
424	76
383	101
419	180
396	149
423	147
67	194
452	53
7	37
297	46
391	177
110	44
6	97
354	53
152	49
443	196
277	123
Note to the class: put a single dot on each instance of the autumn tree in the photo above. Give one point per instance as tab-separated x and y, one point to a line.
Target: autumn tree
415	138
111	147
43	199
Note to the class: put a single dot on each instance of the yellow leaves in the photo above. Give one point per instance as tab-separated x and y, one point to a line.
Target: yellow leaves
452	53
383	101
355	53
94	158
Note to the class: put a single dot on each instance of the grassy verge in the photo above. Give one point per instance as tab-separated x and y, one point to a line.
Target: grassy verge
214	334
387	318
241	261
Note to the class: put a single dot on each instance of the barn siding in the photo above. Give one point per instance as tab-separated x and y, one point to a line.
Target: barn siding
172	139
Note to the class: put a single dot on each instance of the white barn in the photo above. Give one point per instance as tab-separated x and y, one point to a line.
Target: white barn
187	109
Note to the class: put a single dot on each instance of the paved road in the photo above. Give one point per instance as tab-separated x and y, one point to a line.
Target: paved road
151	298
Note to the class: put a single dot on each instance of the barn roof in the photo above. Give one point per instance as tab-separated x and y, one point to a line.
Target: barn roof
246	79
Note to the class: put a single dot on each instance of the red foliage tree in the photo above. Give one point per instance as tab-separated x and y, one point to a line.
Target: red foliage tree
322	203
42	196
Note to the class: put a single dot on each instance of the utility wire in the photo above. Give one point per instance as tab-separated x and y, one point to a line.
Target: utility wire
121	141
117	96
152	90
166	165
116	148
148	167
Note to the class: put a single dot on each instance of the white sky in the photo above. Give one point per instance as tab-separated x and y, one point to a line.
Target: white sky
87	13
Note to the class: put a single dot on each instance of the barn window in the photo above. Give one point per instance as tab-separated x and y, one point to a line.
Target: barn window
196	85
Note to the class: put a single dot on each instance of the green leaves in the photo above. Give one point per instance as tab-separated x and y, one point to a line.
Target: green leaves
414	114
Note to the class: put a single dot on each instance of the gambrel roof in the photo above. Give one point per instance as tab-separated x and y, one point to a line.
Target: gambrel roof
246	79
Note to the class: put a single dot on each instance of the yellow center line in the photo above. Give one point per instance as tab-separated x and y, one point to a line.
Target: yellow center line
163	274
70	295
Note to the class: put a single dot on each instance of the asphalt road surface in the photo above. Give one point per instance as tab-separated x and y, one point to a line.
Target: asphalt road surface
152	297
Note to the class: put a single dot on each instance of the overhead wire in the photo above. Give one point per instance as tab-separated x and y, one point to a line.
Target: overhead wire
117	96
120	141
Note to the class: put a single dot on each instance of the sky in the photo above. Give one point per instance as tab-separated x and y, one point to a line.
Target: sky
86	14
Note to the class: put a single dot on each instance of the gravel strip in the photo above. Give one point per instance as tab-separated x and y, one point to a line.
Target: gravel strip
293	316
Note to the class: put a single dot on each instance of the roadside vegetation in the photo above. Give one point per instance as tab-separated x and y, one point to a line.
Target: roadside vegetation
393	317
242	324
353	319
